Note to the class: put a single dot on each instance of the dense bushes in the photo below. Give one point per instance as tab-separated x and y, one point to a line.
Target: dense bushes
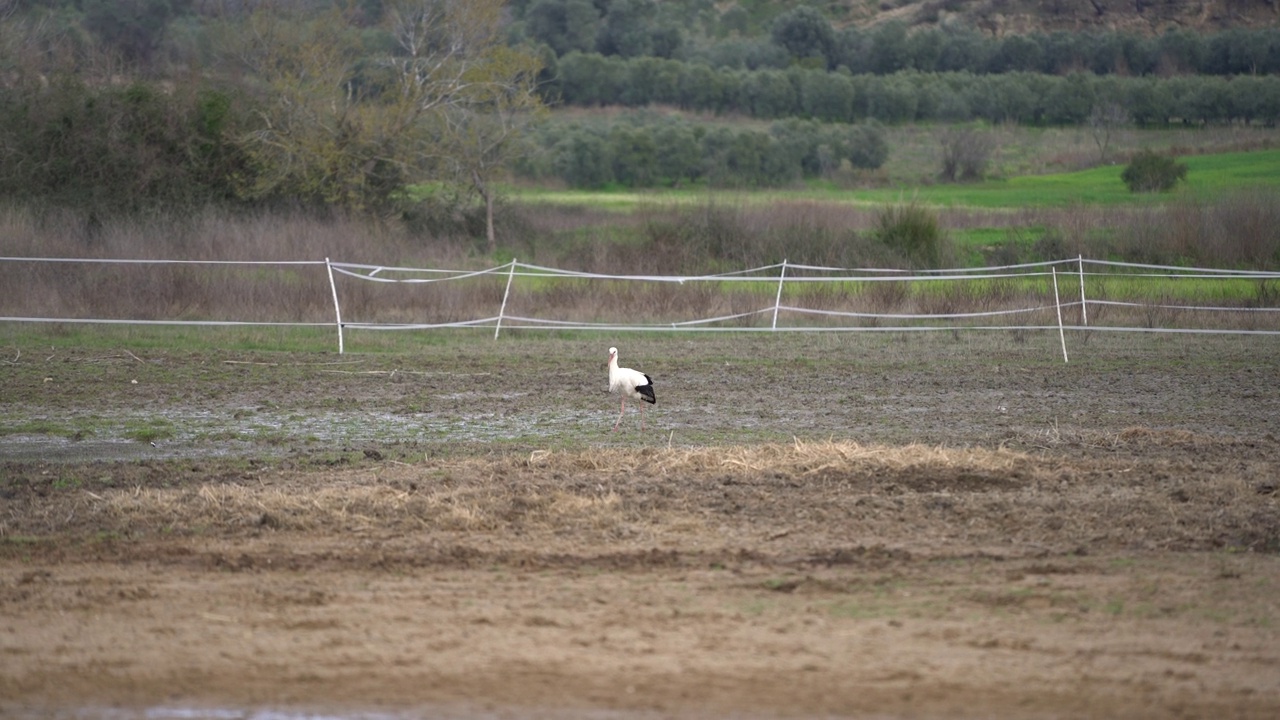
112	149
643	150
912	232
1150	171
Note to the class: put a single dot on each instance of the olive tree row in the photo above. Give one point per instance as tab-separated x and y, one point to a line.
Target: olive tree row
643	152
590	79
725	35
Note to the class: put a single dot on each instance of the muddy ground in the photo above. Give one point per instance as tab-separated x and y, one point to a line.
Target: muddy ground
870	526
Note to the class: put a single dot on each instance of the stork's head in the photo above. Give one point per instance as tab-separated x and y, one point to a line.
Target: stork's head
613	356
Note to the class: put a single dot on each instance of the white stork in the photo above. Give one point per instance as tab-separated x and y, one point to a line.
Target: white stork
629	384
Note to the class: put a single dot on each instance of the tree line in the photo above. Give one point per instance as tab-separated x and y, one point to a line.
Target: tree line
747	36
644	151
160	105
592	79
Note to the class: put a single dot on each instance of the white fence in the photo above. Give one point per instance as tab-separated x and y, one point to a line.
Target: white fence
1079	294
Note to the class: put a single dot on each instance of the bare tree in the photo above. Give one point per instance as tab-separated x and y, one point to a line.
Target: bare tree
481	136
966	152
442	42
348	128
482	92
1105	118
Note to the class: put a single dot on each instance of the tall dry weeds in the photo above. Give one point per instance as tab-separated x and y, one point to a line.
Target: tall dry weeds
1240	230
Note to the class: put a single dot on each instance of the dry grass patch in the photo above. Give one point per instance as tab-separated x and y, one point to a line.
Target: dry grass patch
350	502
1138	488
542	492
1056	436
793	460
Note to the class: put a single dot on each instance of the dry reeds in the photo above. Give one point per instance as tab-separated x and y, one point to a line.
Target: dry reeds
659	239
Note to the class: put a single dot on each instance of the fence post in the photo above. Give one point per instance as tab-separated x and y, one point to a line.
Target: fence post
497	328
777	300
1058	304
337	309
1084	306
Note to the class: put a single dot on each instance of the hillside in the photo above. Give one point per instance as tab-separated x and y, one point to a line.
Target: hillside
1018	16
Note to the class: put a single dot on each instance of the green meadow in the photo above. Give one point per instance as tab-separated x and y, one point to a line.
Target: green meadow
1207	176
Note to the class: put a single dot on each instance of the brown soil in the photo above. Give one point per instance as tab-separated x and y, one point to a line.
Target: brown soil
811	527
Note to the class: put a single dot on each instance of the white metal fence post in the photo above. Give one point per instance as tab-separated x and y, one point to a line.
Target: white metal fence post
497	328
1084	306
777	300
337	309
1062	337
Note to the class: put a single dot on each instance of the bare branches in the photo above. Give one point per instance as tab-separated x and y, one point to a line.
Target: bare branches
351	124
965	153
443	43
1105	118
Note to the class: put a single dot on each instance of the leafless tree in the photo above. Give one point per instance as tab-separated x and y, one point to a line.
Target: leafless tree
1105	118
350	130
966	152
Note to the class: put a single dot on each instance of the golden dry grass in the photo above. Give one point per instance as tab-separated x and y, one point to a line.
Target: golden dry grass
793	460
481	494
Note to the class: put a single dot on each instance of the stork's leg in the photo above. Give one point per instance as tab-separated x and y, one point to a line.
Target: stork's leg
642	417
620	412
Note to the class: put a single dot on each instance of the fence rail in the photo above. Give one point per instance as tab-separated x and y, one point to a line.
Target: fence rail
1078	294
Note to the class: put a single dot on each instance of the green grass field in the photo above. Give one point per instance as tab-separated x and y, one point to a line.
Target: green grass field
1217	217
1207	176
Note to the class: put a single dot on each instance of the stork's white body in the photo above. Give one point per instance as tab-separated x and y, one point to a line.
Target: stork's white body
629	384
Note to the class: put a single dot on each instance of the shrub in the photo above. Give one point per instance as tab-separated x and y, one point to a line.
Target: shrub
912	231
108	149
1052	245
868	148
966	152
1150	171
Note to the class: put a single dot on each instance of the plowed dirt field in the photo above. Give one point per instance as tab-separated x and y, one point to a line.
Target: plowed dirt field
859	525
